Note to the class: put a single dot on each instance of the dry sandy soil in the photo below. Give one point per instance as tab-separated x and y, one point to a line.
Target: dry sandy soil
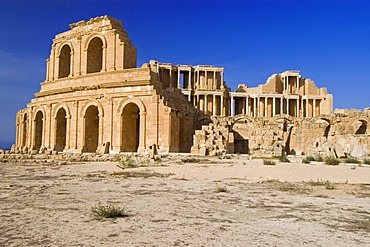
184	204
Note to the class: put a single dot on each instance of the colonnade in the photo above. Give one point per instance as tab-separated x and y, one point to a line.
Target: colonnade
264	105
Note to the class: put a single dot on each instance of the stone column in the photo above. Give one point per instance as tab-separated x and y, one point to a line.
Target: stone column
104	65
287	106
258	107
307	105
205	103
214	105
71	68
222	106
314	108
273	106
254	107
170	78
265	108
189	80
178	79
68	132
281	105
142	133
247	106
232	106
298	107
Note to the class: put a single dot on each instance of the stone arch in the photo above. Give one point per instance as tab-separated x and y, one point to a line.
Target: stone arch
130	130
324	123
281	118
39	129
95	50
94	103
57	108
360	127
126	101
91	129
65	60
137	109
85	129
61	129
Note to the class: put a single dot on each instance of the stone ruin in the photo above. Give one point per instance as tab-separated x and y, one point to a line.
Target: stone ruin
95	100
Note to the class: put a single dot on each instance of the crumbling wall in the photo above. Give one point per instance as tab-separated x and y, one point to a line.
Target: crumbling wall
341	134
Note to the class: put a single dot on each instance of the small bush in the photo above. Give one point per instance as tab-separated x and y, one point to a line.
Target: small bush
331	161
329	186
367	161
352	160
308	159
284	159
127	161
221	190
101	212
269	162
319	158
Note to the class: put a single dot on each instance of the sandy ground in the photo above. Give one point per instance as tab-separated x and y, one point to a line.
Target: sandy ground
46	204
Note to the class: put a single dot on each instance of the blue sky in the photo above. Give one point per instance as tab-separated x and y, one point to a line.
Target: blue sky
327	40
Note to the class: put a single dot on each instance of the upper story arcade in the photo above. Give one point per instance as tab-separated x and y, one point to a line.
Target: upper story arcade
98	45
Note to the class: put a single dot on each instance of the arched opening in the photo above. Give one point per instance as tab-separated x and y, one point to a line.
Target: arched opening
24	131
61	130
95	55
91	129
130	128
38	130
362	127
65	62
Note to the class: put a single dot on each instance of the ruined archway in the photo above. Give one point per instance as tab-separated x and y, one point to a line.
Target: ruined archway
91	129
61	130
361	127
130	122
39	122
95	55
65	61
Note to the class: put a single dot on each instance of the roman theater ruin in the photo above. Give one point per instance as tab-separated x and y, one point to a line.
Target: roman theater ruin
96	100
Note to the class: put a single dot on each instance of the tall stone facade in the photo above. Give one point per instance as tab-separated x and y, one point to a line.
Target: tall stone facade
95	99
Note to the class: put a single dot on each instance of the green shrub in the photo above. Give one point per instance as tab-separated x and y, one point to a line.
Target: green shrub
101	212
127	161
269	162
331	161
352	160
367	161
221	190
308	159
319	158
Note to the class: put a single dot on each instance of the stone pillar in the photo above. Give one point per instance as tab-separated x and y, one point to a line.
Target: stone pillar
142	133
214	105
178	79
71	68
232	106
287	106
189	80
258	107
214	80
222	106
68	132
222	80
104	65
307	105
265	108
298	107
314	108
281	105
205	103
254	107
170	77
273	106
247	106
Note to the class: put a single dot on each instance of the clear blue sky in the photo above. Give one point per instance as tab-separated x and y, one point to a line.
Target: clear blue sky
327	40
